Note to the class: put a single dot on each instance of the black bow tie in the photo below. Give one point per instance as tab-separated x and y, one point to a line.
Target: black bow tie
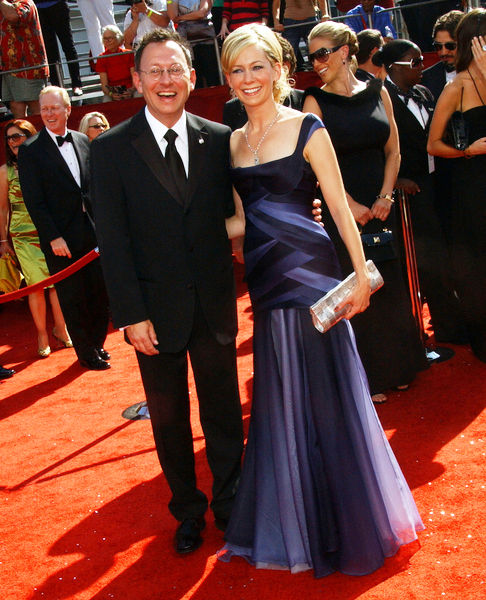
61	140
412	94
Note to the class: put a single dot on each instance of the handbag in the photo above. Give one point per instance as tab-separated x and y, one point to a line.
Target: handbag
10	276
457	133
378	246
323	312
199	32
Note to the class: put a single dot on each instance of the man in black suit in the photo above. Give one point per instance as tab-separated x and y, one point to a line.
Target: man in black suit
444	34
161	193
53	171
435	78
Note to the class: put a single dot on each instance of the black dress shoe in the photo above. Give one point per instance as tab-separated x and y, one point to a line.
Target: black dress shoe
102	353
188	535
221	523
6	373
95	364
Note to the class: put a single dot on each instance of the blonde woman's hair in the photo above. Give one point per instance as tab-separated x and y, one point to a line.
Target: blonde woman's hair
339	34
263	37
84	123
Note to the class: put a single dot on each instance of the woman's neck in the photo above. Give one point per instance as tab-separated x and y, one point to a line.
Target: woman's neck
259	116
344	84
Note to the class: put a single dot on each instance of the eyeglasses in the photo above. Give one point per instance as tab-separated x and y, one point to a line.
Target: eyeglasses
15	136
413	63
97	126
323	54
174	72
447	45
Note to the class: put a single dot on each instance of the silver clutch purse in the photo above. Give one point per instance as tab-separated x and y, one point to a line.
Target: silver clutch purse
323	312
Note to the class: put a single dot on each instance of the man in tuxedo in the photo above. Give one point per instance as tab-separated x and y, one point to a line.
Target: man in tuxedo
444	34
161	193
53	171
435	78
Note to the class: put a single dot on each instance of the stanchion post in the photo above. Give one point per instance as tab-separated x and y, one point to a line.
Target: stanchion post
411	262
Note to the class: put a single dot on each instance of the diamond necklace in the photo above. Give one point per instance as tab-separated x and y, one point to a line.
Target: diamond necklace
254	151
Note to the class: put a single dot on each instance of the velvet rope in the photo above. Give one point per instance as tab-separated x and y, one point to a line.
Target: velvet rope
79	264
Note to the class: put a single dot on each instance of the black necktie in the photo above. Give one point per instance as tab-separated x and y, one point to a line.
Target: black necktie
61	140
175	164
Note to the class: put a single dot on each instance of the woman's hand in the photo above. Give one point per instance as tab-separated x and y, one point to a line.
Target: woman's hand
361	213
477	147
359	299
5	248
479	54
407	185
224	30
381	209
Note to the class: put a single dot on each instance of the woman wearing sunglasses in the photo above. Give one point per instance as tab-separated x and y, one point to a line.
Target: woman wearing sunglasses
92	124
466	96
359	119
25	240
413	106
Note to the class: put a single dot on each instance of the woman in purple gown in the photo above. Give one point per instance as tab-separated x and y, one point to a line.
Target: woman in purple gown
320	488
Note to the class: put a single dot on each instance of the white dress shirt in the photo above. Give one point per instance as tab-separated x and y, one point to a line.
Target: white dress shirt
69	155
182	139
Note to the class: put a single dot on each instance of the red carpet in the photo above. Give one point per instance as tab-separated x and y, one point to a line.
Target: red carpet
84	506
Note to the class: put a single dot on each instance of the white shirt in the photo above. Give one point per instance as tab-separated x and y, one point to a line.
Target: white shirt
145	24
182	139
69	155
450	76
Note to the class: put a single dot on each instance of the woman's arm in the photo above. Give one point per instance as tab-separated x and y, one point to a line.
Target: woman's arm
159	18
320	153
235	225
361	213
479	54
382	206
4	212
131	31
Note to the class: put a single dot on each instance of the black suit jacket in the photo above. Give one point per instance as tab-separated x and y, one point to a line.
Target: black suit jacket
413	137
234	113
51	194
156	254
434	78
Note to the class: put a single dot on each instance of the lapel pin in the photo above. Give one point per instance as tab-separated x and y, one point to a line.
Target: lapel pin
201	141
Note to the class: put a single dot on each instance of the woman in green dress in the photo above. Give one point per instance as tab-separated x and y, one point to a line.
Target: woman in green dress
15	218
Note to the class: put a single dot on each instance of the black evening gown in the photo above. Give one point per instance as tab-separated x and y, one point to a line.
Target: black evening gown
386	334
320	487
468	230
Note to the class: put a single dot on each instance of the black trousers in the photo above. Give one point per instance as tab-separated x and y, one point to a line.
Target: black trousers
165	382
54	22
83	299
434	263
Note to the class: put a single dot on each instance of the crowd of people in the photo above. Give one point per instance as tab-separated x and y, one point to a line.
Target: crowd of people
320	487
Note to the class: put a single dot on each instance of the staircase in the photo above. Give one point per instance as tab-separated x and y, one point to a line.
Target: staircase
91	82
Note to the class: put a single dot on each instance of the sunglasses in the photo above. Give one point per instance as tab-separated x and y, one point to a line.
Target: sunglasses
323	54
97	126
447	45
15	136
413	63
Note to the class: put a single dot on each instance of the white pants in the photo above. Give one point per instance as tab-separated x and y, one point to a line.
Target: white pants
96	15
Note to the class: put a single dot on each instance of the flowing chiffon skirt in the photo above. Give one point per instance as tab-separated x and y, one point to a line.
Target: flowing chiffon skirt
321	488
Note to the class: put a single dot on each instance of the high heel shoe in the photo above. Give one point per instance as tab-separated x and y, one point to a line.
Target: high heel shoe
44	352
66	343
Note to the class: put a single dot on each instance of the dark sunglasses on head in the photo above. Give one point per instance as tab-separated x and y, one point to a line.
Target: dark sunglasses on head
413	63
97	126
323	54
15	136
447	45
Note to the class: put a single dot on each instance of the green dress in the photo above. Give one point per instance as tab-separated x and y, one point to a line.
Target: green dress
24	235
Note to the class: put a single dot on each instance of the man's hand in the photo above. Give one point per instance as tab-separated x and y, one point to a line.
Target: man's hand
142	336
407	185
60	248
